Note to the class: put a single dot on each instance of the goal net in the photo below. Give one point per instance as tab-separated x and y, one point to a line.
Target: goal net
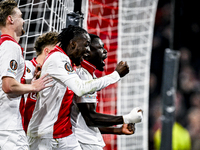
126	28
41	16
136	26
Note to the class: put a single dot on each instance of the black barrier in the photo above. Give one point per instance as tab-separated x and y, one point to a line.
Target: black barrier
169	83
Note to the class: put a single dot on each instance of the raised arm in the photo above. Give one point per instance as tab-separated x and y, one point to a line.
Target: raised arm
82	87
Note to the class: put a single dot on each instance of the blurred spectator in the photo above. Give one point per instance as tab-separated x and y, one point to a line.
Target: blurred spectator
188	82
185	57
180	136
195	100
194	127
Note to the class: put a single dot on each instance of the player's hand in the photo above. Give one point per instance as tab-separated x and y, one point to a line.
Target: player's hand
134	116
41	83
37	71
128	128
122	68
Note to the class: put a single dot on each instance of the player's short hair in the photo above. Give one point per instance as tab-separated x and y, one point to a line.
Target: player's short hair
68	34
6	9
49	38
93	36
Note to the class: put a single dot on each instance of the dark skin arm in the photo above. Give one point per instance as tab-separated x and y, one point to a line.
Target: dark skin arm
92	118
126	129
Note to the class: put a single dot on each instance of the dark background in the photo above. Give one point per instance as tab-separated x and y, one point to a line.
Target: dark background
177	28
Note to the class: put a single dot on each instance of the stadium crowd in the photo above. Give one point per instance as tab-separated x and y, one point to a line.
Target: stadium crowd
187	101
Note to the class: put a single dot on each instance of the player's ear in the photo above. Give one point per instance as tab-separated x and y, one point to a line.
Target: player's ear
73	44
46	51
10	19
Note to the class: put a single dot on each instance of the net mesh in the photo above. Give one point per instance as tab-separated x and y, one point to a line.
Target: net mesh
41	16
134	46
103	21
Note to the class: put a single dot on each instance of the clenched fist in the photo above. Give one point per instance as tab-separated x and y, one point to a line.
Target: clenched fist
122	68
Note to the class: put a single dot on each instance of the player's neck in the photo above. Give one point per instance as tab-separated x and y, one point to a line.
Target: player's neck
40	59
11	33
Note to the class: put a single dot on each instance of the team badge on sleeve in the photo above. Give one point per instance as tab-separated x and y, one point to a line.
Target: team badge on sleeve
13	65
28	70
68	67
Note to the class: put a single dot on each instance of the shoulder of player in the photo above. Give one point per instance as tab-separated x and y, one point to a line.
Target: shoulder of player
58	56
10	46
30	65
56	60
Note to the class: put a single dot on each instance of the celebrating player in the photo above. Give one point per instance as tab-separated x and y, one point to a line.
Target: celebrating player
85	119
12	71
43	45
50	125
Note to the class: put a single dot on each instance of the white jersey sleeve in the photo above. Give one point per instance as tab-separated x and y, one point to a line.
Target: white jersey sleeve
11	65
88	98
61	69
11	60
82	87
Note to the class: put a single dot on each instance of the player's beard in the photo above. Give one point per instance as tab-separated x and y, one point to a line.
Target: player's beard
23	32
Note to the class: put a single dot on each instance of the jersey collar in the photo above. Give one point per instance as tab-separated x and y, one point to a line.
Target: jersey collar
6	37
88	66
34	62
58	49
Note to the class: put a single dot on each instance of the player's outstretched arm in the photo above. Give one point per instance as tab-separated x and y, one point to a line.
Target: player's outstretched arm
126	129
12	86
92	118
83	87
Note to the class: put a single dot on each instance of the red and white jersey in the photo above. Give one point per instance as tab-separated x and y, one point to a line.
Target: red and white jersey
30	69
49	103
85	134
12	65
30	97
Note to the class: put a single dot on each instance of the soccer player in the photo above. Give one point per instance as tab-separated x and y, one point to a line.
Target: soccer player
12	71
43	45
51	115
86	122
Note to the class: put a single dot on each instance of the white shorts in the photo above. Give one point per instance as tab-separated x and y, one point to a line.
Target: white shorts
85	146
13	140
67	143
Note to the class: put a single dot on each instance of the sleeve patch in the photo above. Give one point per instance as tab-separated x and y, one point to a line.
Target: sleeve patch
68	67
13	65
28	70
